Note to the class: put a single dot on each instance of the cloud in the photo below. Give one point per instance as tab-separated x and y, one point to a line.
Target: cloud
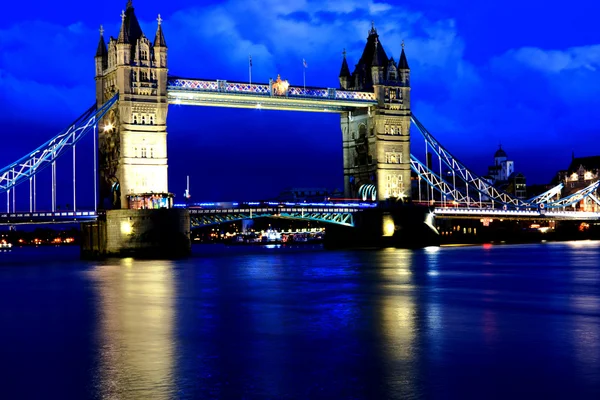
557	61
516	97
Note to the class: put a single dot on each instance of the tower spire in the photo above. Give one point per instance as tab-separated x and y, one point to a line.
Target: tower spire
403	63
129	4
123	34
373	31
345	71
159	40
102	50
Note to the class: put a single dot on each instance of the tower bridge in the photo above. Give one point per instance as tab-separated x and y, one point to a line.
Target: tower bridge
129	125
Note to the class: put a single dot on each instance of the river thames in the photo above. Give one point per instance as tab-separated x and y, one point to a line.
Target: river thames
482	322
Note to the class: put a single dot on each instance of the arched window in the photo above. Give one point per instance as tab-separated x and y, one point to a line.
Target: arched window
143	120
362	130
144	155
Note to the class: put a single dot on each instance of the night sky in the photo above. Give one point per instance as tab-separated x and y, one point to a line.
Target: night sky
520	73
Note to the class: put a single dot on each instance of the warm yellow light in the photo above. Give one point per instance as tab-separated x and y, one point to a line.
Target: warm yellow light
108	127
388	226
126	228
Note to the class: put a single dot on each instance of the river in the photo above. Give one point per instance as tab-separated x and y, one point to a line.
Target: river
480	322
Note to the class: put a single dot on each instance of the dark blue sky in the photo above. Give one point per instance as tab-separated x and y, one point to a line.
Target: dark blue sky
523	73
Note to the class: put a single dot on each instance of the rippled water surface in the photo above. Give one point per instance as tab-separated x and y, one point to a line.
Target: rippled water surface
499	322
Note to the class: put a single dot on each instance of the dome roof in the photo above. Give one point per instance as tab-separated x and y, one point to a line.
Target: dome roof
500	153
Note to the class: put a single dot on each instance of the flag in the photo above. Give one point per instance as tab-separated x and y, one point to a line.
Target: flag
304	63
250	60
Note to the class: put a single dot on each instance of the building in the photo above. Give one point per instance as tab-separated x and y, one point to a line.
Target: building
376	141
502	168
502	175
133	135
582	172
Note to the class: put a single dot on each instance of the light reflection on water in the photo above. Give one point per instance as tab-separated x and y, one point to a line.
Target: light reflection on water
135	331
498	322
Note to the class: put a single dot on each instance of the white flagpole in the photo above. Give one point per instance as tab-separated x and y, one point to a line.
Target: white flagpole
304	72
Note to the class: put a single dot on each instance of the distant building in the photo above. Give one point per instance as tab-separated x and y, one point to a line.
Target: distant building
582	172
502	168
503	176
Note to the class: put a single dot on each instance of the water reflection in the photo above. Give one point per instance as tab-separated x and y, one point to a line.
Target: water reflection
398	321
135	331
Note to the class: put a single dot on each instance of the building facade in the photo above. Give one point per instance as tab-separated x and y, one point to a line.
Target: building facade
582	172
376	141
133	136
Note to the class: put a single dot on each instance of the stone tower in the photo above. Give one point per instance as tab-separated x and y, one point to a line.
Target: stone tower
133	136
377	140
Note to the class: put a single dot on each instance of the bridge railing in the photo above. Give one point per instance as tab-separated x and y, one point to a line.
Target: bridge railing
262	89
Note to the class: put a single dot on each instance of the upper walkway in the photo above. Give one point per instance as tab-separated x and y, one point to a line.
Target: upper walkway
271	96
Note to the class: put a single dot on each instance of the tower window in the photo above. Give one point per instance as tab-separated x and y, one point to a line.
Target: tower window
144	155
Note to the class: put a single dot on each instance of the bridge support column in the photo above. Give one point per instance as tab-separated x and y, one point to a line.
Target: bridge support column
162	233
404	226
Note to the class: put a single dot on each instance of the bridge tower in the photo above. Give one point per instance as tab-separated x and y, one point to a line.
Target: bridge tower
377	141
132	147
133	136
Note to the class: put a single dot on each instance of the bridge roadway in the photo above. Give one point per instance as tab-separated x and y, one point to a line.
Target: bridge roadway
59	217
205	214
479	213
222	93
339	214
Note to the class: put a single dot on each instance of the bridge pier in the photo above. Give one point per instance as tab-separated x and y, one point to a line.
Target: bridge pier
161	233
403	226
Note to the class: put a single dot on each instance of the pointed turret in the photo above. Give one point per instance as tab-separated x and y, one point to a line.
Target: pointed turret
403	64
123	34
345	71
345	76
101	54
102	50
403	69
373	56
159	39
130	27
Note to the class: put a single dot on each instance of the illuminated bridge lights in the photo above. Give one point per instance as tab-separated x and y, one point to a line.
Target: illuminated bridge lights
511	214
46	217
263	96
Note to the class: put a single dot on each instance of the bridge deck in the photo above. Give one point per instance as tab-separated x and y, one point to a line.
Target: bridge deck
64	217
478	213
262	96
